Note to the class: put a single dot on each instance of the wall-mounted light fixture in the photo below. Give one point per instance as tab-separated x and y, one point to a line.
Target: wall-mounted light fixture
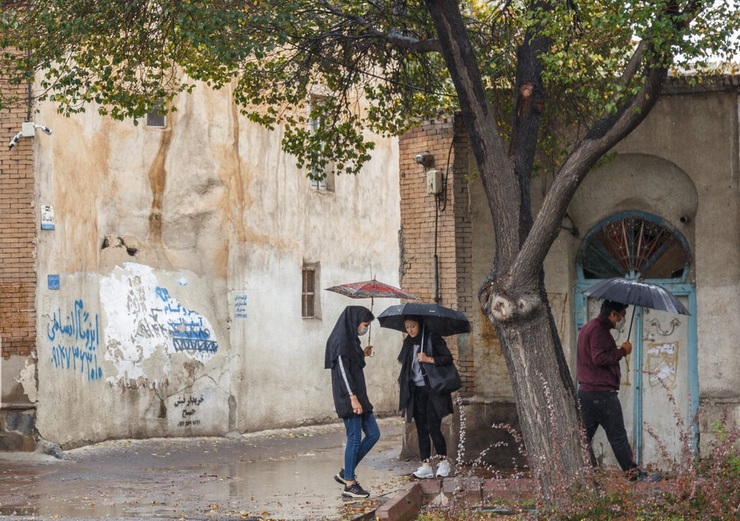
425	159
433	177
28	129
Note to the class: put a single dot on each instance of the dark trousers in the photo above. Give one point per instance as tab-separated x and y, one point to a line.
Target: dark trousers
428	425
603	408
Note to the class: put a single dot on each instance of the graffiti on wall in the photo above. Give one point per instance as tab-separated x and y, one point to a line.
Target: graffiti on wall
75	340
145	319
662	363
185	326
189	406
240	305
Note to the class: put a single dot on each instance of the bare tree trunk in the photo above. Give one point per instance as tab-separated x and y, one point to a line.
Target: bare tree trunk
514	297
545	394
544	391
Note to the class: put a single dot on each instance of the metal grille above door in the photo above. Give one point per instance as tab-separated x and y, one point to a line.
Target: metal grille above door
635	245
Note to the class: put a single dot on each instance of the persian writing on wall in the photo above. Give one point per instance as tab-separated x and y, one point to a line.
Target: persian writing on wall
74	337
144	319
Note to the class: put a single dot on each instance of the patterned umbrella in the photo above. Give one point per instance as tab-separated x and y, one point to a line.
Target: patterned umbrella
371	289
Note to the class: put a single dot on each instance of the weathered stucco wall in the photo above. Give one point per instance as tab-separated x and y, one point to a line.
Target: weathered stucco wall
682	165
699	134
178	254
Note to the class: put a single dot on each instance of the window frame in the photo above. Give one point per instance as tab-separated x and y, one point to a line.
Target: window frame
327	183
309	292
155	114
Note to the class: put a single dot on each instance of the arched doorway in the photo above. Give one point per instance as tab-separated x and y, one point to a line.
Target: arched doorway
660	388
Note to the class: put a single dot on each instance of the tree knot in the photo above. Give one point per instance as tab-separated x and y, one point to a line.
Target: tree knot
505	309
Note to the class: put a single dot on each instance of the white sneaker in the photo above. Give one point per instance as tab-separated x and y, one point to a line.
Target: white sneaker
424	472
444	469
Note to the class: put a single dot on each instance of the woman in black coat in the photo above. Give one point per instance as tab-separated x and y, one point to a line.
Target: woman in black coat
417	400
346	358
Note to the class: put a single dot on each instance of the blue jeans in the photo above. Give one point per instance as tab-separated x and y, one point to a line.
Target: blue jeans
357	446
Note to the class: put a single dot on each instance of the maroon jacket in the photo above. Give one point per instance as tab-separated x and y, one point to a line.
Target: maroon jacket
597	368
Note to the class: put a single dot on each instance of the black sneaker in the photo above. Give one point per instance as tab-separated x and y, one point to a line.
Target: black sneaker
339	478
645	477
355	490
650	478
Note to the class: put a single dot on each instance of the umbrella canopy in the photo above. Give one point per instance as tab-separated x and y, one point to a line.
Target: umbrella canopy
443	321
371	289
637	293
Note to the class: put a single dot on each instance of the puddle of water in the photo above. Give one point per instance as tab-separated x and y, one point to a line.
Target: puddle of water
287	486
17	510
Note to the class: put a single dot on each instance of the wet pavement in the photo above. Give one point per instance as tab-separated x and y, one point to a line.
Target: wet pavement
279	474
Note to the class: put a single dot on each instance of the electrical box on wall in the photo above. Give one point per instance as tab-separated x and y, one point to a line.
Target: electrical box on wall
434	181
28	129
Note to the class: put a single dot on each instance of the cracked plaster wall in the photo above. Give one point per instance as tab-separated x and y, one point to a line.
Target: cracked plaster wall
169	296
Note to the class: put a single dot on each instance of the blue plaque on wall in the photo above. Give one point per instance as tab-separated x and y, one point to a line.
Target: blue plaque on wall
53	281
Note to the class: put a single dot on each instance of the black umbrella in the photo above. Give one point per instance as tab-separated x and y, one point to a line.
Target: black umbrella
636	292
443	321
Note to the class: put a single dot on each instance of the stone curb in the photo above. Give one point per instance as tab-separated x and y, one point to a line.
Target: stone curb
406	503
402	506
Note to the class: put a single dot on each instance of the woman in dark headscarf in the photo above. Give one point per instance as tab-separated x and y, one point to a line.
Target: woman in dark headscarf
346	359
417	400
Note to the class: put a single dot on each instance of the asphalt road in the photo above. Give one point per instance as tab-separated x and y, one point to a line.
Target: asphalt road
280	474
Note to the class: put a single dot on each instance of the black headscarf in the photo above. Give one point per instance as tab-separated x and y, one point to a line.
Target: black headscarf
406	384
344	340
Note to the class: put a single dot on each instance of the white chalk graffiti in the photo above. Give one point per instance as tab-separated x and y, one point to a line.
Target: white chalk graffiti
144	321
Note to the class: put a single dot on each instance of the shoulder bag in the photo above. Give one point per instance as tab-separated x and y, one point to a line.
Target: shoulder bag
443	379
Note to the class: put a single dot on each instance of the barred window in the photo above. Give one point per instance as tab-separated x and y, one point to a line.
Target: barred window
157	117
308	293
634	243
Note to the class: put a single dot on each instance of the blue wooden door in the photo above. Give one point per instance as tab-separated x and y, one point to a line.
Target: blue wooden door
659	389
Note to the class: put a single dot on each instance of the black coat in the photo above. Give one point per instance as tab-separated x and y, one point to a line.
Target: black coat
435	346
344	342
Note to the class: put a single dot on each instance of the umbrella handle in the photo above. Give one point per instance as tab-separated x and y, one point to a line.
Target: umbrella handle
629	332
369	335
370	327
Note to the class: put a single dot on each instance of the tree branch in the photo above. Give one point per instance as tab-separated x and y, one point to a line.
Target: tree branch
528	108
496	170
609	130
395	36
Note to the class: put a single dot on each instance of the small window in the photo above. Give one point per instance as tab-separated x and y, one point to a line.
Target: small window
308	292
326	184
156	118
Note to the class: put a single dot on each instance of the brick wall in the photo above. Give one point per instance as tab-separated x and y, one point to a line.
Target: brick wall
17	235
421	213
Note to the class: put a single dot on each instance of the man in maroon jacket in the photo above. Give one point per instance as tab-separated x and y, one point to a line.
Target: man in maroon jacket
598	384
